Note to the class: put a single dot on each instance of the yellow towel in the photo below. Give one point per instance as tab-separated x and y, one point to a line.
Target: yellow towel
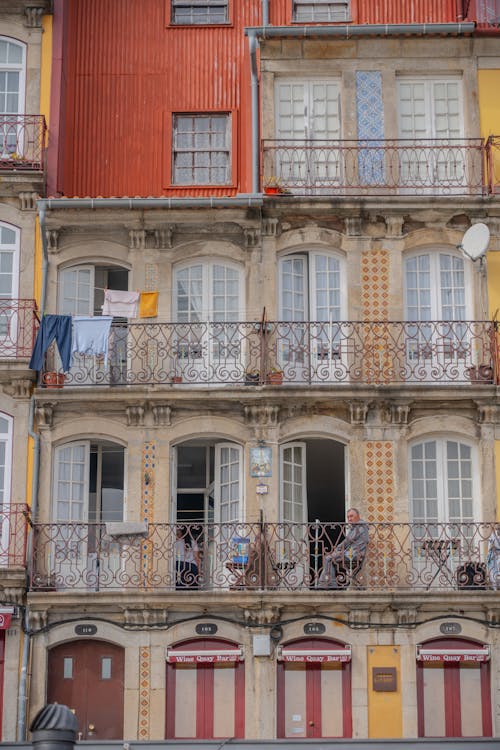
148	305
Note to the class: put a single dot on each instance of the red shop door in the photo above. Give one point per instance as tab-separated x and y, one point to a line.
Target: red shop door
205	700
454	698
314	699
87	676
2	663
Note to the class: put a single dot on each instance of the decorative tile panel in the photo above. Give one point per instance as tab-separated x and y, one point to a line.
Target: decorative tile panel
147	499
375	274
379	469
144	691
370	120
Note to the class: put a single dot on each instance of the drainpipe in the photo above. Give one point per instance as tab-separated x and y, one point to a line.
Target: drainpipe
346	31
243	200
265	12
253	45
25	657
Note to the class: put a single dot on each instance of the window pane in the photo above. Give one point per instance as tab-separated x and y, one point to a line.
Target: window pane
68	668
106	662
201	149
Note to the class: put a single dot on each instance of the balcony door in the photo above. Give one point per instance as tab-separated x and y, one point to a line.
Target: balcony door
440	347
9	286
308	127
88	492
81	292
442	486
208	304
312	306
430	115
208	502
12	84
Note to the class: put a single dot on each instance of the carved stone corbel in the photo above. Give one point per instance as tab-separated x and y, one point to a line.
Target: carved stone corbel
19	388
394	226
252	237
487	413
358	411
359	618
406	616
27	201
162	415
261	415
45	415
33	15
52	240
163	238
135	415
353	226
398	413
137	239
271	227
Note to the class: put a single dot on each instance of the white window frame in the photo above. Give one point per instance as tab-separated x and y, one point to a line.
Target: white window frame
429	82
309	255
206	313
219	447
436	303
335	11
15	249
191	5
19	67
442	490
282	448
86	444
7	438
193	150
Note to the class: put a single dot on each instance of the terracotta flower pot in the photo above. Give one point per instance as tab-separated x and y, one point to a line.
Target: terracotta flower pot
275	378
53	379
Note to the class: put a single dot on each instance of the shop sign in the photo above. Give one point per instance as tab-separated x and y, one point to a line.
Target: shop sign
5	619
384	679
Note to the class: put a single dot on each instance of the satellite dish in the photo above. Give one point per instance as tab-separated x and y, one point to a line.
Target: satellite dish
475	241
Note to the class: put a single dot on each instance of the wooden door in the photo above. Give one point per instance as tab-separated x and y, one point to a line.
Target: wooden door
87	676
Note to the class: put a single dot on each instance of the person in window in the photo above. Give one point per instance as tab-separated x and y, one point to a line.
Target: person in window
187	560
493	559
344	562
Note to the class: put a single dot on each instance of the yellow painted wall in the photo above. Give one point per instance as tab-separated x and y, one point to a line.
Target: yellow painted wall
385	710
46	67
489	111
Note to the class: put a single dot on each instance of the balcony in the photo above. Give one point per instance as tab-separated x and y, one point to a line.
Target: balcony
289	354
411	557
486	14
349	168
22	143
13	536
18	326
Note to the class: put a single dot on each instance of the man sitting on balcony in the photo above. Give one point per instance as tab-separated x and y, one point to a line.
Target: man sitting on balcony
344	562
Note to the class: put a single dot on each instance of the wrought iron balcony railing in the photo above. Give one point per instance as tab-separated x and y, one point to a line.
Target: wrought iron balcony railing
421	556
18	326
292	353
452	166
22	142
13	535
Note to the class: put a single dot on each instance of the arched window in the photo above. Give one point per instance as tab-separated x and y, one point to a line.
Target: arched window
81	287
453	689
435	287
208	291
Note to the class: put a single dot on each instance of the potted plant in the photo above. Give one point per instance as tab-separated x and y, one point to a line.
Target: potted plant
252	377
275	376
273	186
53	379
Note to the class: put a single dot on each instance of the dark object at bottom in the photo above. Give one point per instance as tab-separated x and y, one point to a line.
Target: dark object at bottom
471	576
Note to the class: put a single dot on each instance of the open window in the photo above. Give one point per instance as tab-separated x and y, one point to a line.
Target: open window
10	324
12	93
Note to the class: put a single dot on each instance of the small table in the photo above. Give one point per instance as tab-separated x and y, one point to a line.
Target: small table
440	551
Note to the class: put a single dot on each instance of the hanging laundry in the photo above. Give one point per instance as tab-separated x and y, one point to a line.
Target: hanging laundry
120	304
148	305
52	327
91	335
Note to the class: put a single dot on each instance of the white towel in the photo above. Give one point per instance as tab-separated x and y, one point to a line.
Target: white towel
120	304
91	335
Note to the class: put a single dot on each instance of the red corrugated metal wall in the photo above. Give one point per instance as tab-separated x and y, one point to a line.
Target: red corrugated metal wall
127	72
382	11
